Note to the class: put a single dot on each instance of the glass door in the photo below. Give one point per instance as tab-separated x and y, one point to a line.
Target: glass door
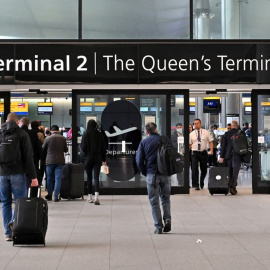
121	117
261	141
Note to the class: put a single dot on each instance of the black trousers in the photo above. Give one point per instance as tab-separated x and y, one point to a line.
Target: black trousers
90	167
198	158
234	164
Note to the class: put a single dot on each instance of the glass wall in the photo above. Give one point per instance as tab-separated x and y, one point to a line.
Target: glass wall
32	19
231	19
135	19
264	137
140	19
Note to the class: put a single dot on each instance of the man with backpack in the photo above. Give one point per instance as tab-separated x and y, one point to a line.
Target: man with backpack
158	185
232	156
15	160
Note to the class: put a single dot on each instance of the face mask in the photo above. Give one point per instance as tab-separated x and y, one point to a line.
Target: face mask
179	130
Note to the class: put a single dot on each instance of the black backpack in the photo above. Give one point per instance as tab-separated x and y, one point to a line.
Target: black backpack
239	143
168	159
10	151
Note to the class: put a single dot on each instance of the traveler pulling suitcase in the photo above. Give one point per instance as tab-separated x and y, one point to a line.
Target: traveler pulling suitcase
72	181
30	220
218	182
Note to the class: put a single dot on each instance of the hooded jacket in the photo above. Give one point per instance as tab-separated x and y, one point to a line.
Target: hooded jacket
26	164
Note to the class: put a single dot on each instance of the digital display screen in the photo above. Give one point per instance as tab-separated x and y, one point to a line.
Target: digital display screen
192	110
211	106
144	109
248	110
85	109
45	110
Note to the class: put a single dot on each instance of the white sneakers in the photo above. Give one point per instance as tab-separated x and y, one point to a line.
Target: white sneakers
90	199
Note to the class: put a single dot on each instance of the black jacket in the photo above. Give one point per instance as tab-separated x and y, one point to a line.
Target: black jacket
36	143
26	164
100	154
226	151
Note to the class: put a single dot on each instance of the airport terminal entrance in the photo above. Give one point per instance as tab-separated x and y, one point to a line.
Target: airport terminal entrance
121	116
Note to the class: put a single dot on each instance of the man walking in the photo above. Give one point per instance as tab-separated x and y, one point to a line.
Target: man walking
198	142
36	146
12	175
55	146
157	185
232	159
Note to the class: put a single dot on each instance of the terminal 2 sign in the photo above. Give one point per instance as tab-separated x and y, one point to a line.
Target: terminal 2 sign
135	63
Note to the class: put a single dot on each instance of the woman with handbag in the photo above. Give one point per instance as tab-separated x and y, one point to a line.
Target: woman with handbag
94	147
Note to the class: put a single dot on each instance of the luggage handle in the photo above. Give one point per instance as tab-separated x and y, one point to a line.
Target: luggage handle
38	193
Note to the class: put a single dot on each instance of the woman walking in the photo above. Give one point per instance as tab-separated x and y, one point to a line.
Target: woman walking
93	145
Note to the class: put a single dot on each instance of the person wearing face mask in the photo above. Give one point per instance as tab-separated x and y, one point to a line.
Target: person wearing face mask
177	133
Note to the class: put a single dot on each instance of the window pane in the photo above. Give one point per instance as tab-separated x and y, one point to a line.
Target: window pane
140	19
32	19
230	19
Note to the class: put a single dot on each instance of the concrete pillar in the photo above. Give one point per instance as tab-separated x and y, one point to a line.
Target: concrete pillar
202	20
230	19
233	104
205	117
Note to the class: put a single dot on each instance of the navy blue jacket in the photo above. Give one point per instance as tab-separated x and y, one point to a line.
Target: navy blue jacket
226	151
146	157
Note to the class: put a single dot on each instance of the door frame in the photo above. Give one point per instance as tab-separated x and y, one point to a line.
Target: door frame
126	191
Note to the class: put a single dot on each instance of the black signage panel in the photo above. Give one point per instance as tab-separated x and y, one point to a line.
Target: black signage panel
135	63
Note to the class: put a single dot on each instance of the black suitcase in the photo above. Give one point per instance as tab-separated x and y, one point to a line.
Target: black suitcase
218	182
72	181
30	222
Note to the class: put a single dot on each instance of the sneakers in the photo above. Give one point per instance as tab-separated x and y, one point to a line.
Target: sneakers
158	231
167	227
48	197
89	199
9	237
56	200
97	201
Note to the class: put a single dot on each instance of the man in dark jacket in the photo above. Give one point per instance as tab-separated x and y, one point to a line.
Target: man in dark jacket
36	146
55	146
146	159
12	176
232	159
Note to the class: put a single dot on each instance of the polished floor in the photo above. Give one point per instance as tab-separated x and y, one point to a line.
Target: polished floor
208	232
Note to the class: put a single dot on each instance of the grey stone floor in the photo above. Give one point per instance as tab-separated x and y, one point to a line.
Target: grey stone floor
234	233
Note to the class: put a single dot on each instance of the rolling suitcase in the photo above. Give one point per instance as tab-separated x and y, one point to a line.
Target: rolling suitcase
72	181
218	182
30	222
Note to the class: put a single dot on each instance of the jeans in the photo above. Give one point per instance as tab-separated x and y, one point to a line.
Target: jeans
11	184
162	190
91	166
57	170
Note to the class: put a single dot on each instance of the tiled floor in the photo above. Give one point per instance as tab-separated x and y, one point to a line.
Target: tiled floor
234	233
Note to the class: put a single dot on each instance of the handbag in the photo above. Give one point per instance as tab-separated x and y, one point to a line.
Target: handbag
104	169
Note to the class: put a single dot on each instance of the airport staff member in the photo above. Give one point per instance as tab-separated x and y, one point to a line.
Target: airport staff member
198	142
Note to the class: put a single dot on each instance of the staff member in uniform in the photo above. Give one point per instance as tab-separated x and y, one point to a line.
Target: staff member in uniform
198	140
